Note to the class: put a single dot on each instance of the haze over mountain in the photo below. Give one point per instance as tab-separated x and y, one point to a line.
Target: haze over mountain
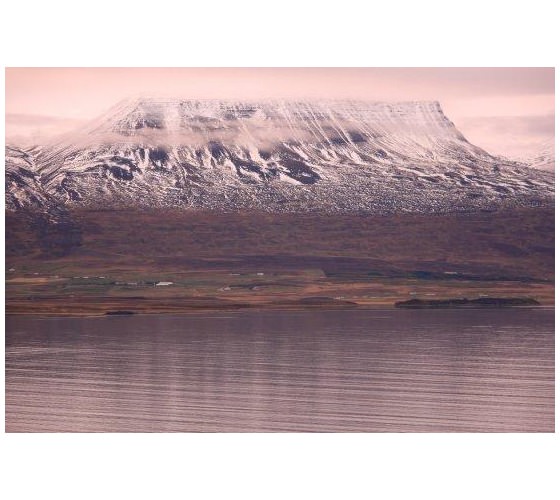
506	111
277	156
544	159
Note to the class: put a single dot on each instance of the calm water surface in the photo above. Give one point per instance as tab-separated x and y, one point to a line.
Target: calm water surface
334	371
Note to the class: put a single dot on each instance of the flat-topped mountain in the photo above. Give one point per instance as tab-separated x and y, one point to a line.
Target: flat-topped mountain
277	156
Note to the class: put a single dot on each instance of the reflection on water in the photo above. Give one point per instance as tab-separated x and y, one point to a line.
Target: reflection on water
333	371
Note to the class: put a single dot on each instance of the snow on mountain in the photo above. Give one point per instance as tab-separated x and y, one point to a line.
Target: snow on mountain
277	156
23	182
544	160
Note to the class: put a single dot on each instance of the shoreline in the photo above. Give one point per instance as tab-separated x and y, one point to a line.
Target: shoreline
197	311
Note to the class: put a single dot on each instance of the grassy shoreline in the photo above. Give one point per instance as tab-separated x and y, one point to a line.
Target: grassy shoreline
102	308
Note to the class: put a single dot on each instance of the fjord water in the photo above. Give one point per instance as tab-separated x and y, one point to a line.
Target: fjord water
329	371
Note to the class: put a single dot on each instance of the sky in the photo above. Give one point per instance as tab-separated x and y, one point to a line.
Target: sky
507	111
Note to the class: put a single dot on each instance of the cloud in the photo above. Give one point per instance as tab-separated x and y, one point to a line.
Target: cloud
510	136
28	128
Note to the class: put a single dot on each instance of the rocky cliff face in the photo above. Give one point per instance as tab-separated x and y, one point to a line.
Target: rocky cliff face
332	156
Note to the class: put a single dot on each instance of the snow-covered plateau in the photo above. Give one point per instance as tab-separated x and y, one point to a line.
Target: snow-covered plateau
276	156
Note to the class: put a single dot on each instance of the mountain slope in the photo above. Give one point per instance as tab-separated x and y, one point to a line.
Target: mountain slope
544	160
23	182
332	156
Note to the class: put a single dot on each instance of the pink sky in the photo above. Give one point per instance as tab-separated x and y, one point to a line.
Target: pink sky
508	111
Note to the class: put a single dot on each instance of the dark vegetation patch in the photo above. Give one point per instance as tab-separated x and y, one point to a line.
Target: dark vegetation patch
24	172
243	166
153	122
19	177
158	154
319	301
122	171
457	177
300	171
500	189
380	153
430	179
66	187
121	174
338	140
217	150
462	303
124	161
356	136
